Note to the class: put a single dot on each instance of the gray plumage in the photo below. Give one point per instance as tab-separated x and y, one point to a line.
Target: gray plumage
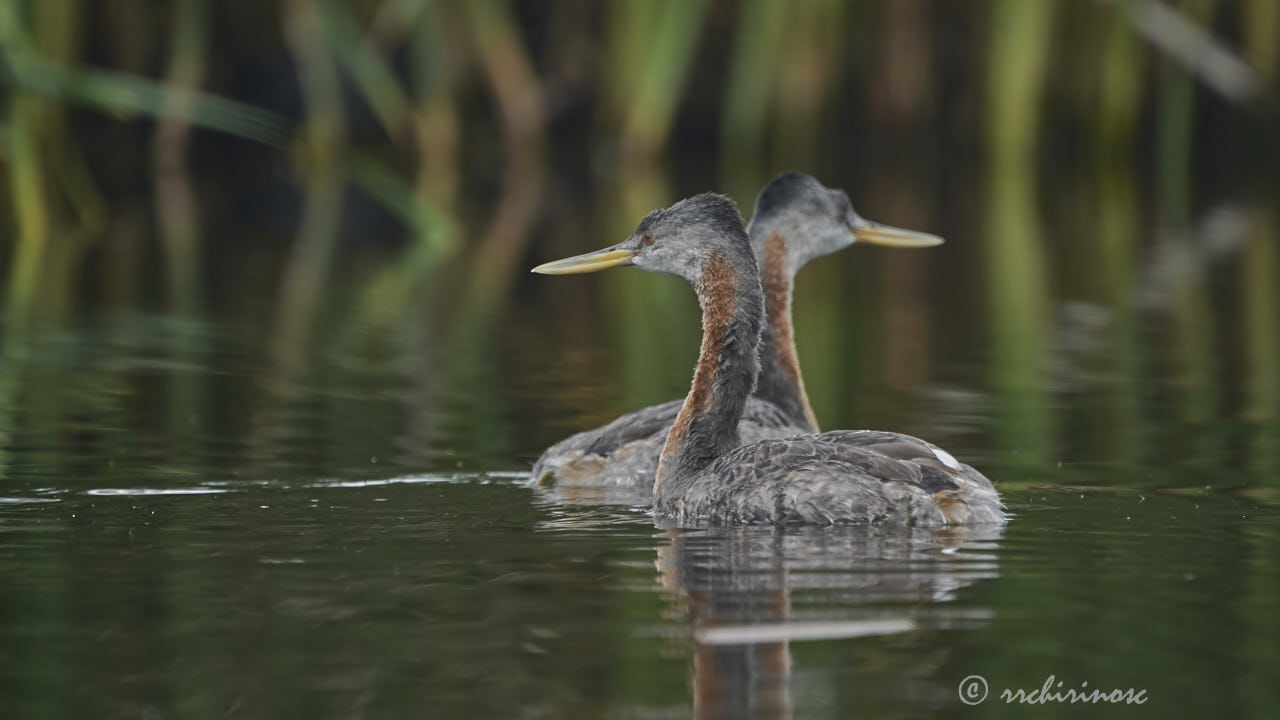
812	221
842	477
624	453
704	477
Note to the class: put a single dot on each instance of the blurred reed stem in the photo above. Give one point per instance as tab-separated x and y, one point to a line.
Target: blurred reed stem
435	61
628	29
1258	271
176	205
1019	43
125	95
665	49
434	238
394	20
307	270
28	124
508	69
1188	303
178	220
1120	91
473	349
27	187
757	41
813	45
372	74
423	113
899	101
1261	26
1173	135
1259	300
1117	231
523	109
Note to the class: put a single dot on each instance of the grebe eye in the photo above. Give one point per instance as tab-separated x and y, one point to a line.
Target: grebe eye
647	239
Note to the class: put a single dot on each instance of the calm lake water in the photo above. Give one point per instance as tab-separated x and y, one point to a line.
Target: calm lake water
270	383
191	529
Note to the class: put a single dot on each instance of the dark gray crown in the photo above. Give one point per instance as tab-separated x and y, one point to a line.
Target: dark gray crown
710	210
786	191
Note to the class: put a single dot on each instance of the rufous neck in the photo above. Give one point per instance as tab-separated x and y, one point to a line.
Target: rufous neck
728	291
781	381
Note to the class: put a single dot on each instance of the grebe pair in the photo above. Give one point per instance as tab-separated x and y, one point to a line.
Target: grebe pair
785	473
796	220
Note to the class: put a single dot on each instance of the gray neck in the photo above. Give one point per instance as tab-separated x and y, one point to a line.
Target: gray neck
707	425
780	382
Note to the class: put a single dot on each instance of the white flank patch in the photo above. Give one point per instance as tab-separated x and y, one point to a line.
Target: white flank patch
946	458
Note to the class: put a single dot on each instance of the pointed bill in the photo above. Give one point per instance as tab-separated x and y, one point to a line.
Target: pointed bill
588	262
874	233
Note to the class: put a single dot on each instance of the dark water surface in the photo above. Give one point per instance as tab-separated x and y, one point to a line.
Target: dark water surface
269	383
187	531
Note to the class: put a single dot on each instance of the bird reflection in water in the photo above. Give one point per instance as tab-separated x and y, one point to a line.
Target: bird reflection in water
751	592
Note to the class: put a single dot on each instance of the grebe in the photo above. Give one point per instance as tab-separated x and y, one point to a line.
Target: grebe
705	475
796	219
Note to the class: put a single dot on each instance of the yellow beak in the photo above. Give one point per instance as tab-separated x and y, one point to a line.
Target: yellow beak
876	234
589	262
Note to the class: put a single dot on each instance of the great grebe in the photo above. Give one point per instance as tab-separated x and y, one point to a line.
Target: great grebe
796	219
705	474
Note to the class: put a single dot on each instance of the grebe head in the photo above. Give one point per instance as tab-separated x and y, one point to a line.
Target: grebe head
816	220
678	240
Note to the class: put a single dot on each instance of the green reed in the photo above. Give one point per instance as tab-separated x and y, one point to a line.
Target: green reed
1016	273
432	78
